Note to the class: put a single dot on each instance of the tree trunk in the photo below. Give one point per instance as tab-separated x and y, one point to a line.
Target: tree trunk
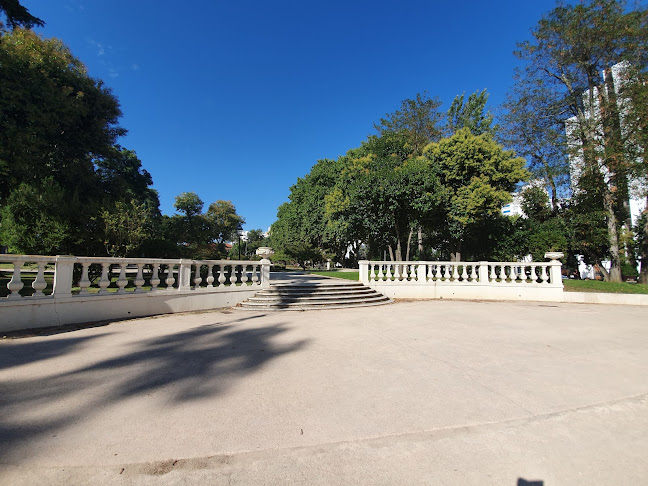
409	245
455	256
613	238
601	268
391	253
643	248
554	196
420	244
399	252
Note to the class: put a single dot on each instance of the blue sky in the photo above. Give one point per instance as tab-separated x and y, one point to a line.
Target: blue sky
236	100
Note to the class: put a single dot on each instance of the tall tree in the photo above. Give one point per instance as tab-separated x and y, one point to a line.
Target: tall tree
470	114
418	119
571	46
302	227
477	177
18	16
223	221
533	124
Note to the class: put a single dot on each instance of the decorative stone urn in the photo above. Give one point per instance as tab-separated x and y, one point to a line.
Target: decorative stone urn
554	255
265	252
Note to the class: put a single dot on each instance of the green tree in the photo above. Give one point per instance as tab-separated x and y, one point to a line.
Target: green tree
471	115
383	194
533	124
223	221
189	203
571	45
477	177
418	119
58	129
54	118
126	228
18	16
302	222
34	219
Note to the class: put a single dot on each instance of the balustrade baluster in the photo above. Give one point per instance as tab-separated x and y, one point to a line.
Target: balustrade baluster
39	282
221	276
197	278
16	284
170	279
446	271
244	277
233	278
255	276
155	277
473	272
464	272
389	273
397	275
122	281
139	277
533	275
544	273
430	272
493	275
104	281
210	276
84	281
372	273
455	272
381	275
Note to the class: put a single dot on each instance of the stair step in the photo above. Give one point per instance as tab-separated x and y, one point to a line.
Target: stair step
334	295
339	298
323	293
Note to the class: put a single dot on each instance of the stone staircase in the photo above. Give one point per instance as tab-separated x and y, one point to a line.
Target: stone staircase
302	296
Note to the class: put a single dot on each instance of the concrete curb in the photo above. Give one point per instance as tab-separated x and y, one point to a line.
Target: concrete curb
605	298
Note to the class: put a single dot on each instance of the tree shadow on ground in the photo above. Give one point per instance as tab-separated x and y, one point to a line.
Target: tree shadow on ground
188	365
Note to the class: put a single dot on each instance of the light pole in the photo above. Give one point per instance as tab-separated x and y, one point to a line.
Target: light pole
239	231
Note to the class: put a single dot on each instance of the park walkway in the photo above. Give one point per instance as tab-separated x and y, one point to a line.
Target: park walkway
434	392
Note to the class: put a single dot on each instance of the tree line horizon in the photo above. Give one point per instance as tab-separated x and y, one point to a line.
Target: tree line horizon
429	184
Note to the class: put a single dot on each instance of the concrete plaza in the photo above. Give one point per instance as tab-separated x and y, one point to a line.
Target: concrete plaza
434	392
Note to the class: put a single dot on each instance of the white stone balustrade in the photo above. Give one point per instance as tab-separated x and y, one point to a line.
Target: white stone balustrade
133	274
469	280
96	288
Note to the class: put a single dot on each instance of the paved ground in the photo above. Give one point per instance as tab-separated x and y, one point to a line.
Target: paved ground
437	392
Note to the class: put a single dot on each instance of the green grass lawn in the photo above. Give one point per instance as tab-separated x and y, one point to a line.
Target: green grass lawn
606	287
570	285
336	274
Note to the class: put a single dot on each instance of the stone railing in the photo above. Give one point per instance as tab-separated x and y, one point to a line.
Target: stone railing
54	290
470	280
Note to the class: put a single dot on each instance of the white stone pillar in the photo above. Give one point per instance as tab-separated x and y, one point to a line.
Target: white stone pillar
265	273
184	275
555	268
483	273
420	273
363	267
63	269
265	252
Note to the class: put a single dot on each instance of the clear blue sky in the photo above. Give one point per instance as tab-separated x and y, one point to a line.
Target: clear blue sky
235	100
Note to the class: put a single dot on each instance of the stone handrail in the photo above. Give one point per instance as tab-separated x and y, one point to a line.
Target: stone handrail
478	280
465	273
175	274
